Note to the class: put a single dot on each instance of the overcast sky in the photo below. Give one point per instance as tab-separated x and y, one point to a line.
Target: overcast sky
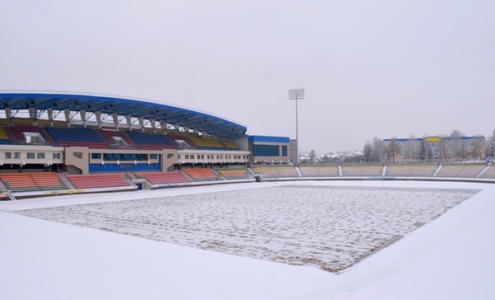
369	68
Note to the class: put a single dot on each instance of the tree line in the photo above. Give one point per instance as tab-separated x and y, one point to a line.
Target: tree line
453	147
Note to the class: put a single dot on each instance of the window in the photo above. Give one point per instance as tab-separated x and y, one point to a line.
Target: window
56	155
266	150
178	156
30	155
77	155
8	155
284	150
153	156
17	155
40	155
96	155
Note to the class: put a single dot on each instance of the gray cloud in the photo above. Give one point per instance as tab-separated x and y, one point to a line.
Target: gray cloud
370	68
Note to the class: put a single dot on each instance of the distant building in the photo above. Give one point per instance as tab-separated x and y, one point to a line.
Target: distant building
435	148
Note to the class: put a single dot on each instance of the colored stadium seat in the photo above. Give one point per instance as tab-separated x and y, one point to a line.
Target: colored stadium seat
230	145
362	170
411	170
150	141
201	174
19	130
461	170
205	144
276	172
110	136
28	182
182	142
97	181
231	173
4	138
319	171
164	178
82	137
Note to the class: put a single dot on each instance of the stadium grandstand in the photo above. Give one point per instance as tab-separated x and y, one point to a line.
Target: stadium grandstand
63	143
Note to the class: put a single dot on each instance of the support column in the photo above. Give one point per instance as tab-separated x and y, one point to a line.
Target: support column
67	116
82	112
116	120
98	118
49	112
129	121
33	115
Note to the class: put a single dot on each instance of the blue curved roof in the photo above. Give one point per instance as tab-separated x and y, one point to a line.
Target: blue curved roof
137	108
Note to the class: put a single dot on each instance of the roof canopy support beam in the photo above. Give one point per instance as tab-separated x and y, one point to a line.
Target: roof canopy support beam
98	118
129	121
40	113
116	120
58	112
82	113
49	112
8	113
141	123
67	116
33	113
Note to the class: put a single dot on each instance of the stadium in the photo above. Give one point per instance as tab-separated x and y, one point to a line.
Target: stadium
174	182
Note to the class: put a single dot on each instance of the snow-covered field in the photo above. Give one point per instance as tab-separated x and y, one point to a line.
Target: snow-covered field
442	248
328	227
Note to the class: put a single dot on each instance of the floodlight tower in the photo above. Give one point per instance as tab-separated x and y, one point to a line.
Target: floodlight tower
296	94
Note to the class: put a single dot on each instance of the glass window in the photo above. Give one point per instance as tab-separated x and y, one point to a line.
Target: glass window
153	156
40	155
17	155
266	150
56	155
8	155
96	155
30	155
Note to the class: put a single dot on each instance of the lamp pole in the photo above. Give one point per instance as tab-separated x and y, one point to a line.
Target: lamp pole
296	94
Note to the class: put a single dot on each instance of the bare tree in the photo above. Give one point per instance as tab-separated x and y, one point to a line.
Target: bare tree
489	146
477	147
377	150
392	150
367	149
458	147
425	152
442	150
312	157
411	149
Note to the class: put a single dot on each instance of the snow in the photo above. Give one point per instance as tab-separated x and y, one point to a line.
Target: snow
450	257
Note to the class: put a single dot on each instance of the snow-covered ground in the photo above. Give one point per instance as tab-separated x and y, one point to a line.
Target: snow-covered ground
319	225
